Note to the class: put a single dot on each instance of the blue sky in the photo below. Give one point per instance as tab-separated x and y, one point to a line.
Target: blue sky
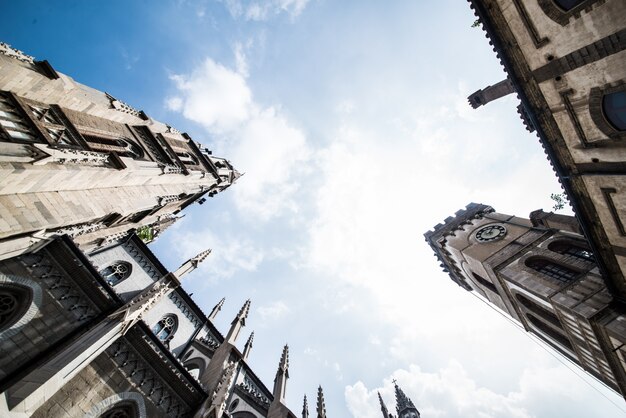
350	121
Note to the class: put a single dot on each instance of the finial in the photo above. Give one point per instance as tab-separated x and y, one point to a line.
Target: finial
243	313
284	359
216	309
248	346
305	408
191	264
383	407
321	406
238	323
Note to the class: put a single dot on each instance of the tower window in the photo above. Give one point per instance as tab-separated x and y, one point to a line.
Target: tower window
614	109
557	336
116	272
538	310
165	328
571	250
551	269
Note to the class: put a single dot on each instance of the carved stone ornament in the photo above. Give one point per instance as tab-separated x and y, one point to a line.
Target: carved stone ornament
123	107
78	229
71	156
249	387
134	310
9	51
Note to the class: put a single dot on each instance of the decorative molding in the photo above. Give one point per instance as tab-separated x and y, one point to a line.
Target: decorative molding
71	156
143	377
249	387
171	130
59	286
112	401
210	341
9	51
123	107
34	306
77	230
142	260
184	309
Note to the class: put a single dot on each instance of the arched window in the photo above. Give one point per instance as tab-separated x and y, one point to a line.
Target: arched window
123	410
551	269
14	302
614	109
165	328
557	336
571	249
485	283
116	272
538	310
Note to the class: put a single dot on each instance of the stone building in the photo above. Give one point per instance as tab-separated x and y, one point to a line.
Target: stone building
91	323
542	273
566	59
77	161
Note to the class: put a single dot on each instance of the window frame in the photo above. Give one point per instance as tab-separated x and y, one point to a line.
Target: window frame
597	112
563	17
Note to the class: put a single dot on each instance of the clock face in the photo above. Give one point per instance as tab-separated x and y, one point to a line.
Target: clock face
490	233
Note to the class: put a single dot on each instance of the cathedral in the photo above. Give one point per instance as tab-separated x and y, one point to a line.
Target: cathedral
91	322
542	273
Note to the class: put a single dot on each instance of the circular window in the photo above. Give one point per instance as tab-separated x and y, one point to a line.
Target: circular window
490	233
233	405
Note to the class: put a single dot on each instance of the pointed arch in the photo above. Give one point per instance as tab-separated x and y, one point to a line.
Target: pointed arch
117	272
120	403
20	300
166	328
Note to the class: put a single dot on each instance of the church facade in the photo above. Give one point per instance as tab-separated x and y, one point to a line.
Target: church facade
77	161
566	60
91	323
542	273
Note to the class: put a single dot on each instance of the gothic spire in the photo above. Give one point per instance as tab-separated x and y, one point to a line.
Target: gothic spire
191	264
321	406
248	346
404	405
282	374
305	408
216	309
238	323
383	407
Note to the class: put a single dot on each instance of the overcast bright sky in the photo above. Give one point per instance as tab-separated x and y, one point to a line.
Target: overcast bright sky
350	121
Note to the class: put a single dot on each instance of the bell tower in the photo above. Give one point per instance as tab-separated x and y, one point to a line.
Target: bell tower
543	277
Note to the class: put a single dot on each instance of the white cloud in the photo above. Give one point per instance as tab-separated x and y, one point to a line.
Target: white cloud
174	103
229	254
265	9
450	393
260	141
273	310
214	96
